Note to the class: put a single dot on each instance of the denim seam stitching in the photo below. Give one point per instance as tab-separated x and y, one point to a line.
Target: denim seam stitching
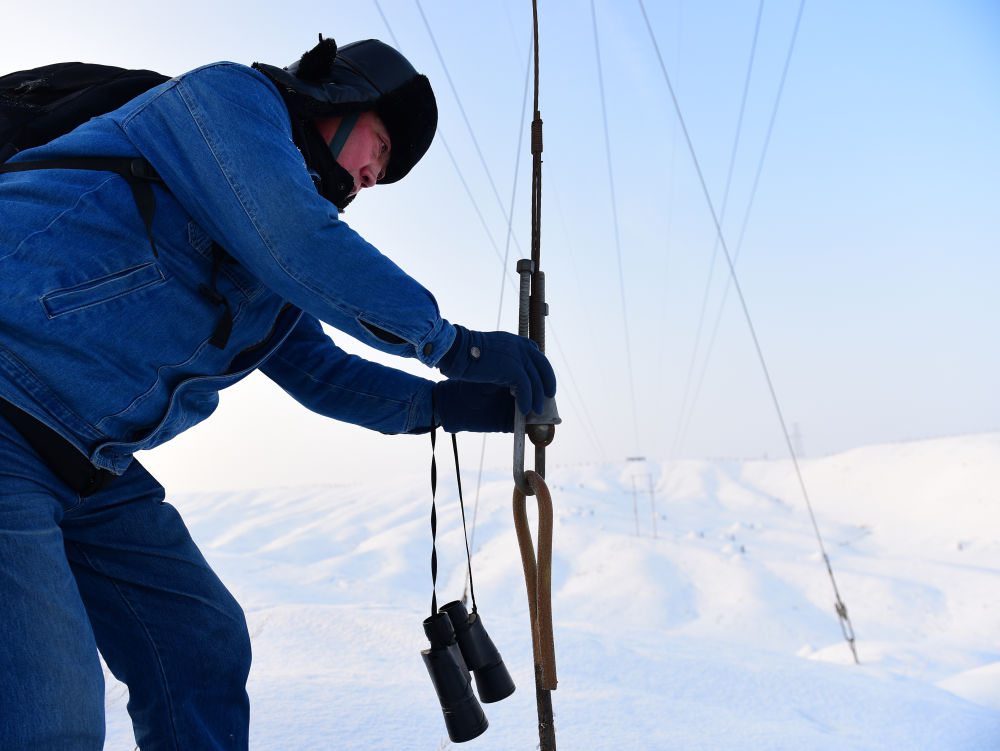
59	216
168	698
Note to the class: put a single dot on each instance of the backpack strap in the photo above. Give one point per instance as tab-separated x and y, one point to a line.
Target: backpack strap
224	328
61	456
136	171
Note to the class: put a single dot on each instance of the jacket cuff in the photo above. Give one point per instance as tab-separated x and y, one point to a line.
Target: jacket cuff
433	349
421	418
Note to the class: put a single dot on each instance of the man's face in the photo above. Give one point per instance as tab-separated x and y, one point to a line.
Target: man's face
366	152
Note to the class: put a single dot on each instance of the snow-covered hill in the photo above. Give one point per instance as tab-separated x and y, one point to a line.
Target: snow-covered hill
717	632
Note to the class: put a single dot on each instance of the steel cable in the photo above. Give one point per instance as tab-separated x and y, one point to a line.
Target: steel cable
839	606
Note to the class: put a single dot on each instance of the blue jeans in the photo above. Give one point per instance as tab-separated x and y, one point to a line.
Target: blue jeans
116	572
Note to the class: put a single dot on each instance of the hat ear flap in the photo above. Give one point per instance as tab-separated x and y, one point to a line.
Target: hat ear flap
410	114
317	63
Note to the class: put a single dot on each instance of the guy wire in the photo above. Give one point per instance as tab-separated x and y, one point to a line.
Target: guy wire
840	607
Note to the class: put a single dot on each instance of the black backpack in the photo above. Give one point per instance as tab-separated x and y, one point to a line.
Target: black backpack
44	103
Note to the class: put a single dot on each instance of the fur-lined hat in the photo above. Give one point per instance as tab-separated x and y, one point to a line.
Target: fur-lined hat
366	75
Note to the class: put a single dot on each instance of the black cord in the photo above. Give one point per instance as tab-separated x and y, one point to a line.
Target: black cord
434	559
465	529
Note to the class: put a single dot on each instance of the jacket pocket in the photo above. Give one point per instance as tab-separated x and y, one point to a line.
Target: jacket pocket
97	291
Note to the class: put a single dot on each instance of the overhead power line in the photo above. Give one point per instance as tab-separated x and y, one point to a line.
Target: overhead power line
687	406
746	215
454	162
472	134
618	246
841	609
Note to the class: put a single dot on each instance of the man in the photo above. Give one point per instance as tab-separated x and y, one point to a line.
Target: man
120	324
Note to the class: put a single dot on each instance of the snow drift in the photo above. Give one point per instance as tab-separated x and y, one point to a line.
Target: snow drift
692	606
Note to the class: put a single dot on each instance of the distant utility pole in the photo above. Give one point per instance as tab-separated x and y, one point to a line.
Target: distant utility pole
652	501
635	501
635	507
797	440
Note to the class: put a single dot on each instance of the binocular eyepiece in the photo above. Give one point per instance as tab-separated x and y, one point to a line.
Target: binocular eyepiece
459	643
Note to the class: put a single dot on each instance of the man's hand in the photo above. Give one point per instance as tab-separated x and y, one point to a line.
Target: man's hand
474	407
504	359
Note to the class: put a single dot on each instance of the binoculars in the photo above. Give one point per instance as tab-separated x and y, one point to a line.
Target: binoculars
459	643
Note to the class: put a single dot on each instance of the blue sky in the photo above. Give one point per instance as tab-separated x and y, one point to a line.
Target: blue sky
869	260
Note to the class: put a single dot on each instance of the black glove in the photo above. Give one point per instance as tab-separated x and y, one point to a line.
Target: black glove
474	407
504	359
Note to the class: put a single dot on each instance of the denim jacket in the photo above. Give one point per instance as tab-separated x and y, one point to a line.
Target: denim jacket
108	341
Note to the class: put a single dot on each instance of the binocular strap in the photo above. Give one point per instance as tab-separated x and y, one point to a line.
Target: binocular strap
465	529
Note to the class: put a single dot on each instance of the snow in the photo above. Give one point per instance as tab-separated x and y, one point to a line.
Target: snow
719	632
